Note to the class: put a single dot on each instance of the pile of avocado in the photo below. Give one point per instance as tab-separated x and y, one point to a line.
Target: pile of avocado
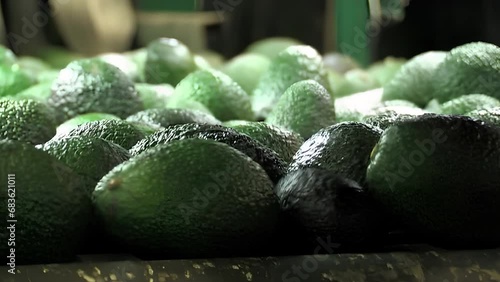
165	153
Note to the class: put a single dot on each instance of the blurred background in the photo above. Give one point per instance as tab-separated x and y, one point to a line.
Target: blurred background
399	28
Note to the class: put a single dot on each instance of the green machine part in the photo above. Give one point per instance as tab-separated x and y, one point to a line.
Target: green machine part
170	5
351	20
355	33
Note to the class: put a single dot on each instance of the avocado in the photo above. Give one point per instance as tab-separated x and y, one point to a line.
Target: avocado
467	69
13	80
223	97
39	92
305	108
7	57
339	63
468	103
32	66
154	95
138	57
57	57
122	62
74	122
294	64
272	46
438	175
322	205
267	158
51	207
88	156
284	142
246	70
489	116
385	70
355	81
383	117
201	63
48	76
169	201
414	81
347	114
119	132
166	117
168	61
26	121
91	85
213	58
343	148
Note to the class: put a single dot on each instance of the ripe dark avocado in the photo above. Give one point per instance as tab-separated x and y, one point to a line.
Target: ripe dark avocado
119	132
189	198
166	117
26	121
285	143
88	156
322	204
92	85
267	158
343	148
51	205
438	175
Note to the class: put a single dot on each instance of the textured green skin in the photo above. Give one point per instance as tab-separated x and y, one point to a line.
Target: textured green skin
167	117
305	108
52	208
154	96
81	119
167	61
144	210
285	143
13	80
469	68
91	85
294	64
343	148
26	121
384	120
246	70
453	194
383	117
119	132
469	103
489	116
89	156
217	92
346	114
267	158
414	80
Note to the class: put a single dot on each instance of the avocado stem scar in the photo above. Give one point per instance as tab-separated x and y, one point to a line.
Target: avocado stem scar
114	183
